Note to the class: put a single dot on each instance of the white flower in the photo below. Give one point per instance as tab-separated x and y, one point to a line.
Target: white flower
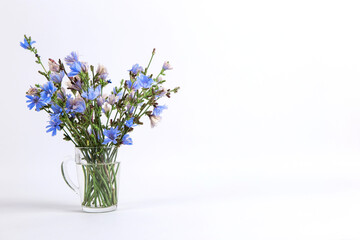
106	107
154	120
101	100
112	99
102	72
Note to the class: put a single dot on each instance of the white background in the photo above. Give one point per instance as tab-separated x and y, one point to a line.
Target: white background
262	142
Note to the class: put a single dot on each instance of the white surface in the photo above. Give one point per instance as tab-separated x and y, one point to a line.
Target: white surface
310	202
262	142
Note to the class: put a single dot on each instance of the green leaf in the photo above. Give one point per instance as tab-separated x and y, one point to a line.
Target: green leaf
66	138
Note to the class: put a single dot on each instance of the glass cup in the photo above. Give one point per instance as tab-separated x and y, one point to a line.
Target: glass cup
98	177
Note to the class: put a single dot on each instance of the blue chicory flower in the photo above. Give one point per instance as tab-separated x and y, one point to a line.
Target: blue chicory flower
54	124
111	135
57	77
118	94
35	101
56	109
130	123
91	94
158	110
72	58
144	80
48	91
75	69
136	68
26	44
128	83
126	140
135	85
76	105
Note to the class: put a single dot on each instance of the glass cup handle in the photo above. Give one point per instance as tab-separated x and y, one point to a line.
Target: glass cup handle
66	175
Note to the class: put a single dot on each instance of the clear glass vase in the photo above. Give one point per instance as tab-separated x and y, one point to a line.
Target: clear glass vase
98	177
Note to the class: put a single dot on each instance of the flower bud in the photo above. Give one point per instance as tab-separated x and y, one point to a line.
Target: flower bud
154	120
102	72
53	66
84	67
112	99
32	91
167	66
101	100
106	108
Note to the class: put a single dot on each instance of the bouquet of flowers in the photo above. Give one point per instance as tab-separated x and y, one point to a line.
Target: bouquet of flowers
95	122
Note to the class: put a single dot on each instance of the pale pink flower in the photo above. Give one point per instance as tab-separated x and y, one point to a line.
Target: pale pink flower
102	72
53	66
106	108
101	100
167	66
112	99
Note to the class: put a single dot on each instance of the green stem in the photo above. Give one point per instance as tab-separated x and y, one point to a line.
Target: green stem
107	122
69	135
152	55
43	66
161	72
